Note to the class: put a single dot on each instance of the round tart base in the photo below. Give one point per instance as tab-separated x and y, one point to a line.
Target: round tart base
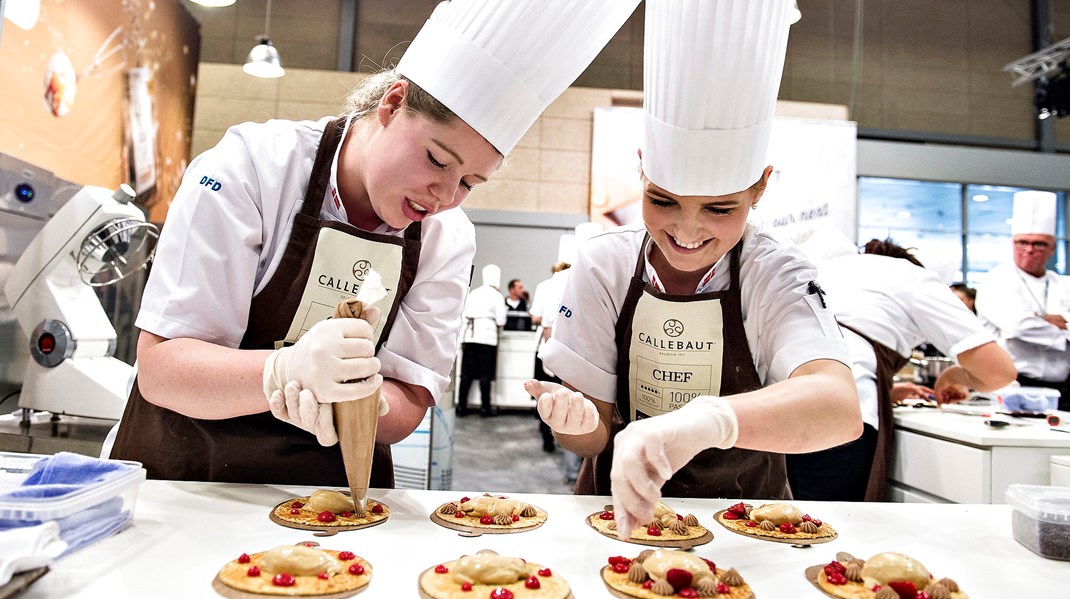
233	582
470	524
306	520
851	590
697	535
823	535
619	586
441	586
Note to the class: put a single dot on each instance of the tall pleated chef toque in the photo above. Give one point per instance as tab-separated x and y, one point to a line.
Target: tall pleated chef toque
492	276
568	247
712	71
1034	213
498	64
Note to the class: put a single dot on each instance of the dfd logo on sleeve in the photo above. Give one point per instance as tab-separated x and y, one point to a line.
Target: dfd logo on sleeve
211	183
565	310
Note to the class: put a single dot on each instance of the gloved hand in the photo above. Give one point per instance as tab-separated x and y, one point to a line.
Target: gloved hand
647	453
299	407
335	360
566	411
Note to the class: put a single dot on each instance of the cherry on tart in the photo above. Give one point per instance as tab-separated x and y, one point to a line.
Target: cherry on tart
779	522
328	509
887	575
295	570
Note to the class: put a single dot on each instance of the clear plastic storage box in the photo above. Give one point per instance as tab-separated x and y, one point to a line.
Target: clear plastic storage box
1040	519
120	490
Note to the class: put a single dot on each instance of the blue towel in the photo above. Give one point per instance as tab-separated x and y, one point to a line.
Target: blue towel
66	473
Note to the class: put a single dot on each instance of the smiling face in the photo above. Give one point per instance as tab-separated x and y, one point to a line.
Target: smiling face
693	232
404	166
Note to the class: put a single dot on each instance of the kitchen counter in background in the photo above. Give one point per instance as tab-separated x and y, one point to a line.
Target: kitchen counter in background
952	457
184	532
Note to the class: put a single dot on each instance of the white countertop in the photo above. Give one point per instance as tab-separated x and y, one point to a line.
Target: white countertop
1025	432
183	533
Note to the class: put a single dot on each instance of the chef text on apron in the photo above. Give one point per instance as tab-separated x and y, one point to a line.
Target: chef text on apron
670	349
324	263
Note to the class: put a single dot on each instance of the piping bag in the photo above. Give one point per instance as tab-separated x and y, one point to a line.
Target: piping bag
357	419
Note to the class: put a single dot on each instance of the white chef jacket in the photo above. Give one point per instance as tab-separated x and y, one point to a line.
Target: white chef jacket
230	222
484	312
547	300
1008	300
899	305
785	325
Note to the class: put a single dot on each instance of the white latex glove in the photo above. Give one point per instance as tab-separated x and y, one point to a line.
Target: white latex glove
647	453
566	411
299	407
335	360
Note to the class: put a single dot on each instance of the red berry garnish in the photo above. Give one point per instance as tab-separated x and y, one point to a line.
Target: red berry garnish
515	517
649	583
295	511
545	572
904	588
836	578
689	593
621	567
309	544
466	586
722	588
464	499
816	522
440	569
679	579
606	515
356	569
345	555
679	516
787	528
532	583
876	588
297	504
377	509
346	514
486	520
730	516
713	566
243	558
500	593
323	576
253	571
807	518
751	524
738	509
653	531
836	566
326	516
283	579
501	497
922	595
616	559
458	514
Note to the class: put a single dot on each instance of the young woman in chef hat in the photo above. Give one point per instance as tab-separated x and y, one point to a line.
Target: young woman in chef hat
697	350
282	220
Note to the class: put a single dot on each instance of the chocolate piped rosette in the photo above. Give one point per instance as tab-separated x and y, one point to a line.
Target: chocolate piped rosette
667	529
487	575
492	514
887	575
660	573
779	522
328	510
294	570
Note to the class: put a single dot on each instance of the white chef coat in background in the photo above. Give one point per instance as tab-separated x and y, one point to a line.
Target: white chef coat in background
222	244
898	305
785	329
1008	301
547	300
484	312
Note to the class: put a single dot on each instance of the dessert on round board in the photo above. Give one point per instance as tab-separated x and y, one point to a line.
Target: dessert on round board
887	575
490	514
488	574
778	522
666	529
329	511
301	570
660	573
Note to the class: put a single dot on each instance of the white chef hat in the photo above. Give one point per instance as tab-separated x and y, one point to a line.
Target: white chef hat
497	65
712	71
492	276
1034	213
568	247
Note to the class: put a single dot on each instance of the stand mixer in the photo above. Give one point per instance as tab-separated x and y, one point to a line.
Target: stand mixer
97	238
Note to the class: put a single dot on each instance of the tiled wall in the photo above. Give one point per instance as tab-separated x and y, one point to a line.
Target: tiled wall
922	66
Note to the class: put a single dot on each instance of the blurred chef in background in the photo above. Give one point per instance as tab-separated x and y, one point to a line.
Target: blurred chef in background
484	317
282	220
696	350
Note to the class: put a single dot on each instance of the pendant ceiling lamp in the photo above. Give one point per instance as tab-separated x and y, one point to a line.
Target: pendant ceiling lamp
263	60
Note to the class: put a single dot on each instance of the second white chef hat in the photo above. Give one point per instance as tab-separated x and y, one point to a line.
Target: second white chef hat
492	276
1033	213
712	71
497	65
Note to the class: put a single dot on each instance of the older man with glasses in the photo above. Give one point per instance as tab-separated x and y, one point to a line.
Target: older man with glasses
1025	304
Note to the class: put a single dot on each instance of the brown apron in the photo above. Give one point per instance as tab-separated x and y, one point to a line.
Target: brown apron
259	448
888	363
733	473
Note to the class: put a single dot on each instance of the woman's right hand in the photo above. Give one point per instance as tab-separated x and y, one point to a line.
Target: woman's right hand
335	360
566	411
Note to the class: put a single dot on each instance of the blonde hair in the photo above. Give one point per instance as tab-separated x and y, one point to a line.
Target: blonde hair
364	99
